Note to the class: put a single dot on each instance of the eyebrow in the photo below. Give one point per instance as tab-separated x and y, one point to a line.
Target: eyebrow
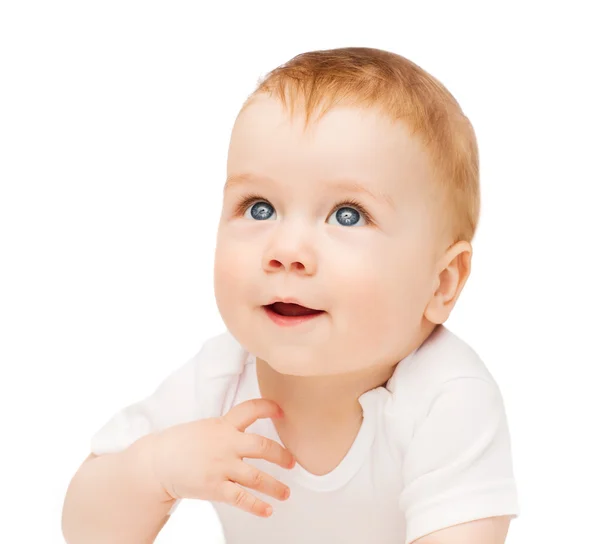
341	184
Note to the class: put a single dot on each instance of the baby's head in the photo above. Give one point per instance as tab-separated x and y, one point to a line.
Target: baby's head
352	187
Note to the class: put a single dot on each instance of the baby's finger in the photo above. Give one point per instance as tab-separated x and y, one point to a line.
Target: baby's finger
255	446
251	477
244	414
237	496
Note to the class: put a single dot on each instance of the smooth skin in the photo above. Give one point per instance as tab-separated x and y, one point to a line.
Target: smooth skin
482	531
203	459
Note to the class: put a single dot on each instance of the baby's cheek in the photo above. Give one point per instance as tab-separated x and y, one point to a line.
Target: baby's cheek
229	261
226	277
380	308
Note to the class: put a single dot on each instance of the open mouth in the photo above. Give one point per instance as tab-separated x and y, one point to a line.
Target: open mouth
283	313
291	310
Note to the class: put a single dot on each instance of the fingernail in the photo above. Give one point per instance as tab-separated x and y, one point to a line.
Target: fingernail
269	511
286	494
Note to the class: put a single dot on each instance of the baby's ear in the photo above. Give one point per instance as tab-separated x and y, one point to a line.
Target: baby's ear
454	269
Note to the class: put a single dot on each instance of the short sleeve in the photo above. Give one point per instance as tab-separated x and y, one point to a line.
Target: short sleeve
173	402
458	465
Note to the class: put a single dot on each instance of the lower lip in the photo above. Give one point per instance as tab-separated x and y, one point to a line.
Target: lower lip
288	321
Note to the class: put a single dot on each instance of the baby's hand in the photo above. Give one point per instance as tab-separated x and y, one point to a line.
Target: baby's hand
203	459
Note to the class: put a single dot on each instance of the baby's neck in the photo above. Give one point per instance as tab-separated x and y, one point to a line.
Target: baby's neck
320	401
322	415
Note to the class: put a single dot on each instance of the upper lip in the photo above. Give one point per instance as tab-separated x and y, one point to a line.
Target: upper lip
290	300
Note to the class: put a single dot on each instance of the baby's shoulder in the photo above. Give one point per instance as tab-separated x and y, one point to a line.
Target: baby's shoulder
443	366
441	358
220	356
200	388
215	372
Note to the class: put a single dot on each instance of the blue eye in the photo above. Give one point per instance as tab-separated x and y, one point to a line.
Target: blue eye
349	214
261	211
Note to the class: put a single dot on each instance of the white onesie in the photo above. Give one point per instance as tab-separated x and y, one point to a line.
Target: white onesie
433	449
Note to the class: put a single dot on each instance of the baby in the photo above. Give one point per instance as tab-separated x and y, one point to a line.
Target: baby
351	201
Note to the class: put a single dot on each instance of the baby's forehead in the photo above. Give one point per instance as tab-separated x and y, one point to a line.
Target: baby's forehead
343	135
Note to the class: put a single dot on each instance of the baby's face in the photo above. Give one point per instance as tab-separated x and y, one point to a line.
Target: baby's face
297	237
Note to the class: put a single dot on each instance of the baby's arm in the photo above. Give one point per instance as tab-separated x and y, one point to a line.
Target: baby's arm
482	531
115	498
111	497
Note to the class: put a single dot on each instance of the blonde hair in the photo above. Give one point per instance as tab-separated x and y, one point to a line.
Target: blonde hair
367	77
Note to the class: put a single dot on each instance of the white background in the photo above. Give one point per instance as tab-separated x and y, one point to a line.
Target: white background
114	125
